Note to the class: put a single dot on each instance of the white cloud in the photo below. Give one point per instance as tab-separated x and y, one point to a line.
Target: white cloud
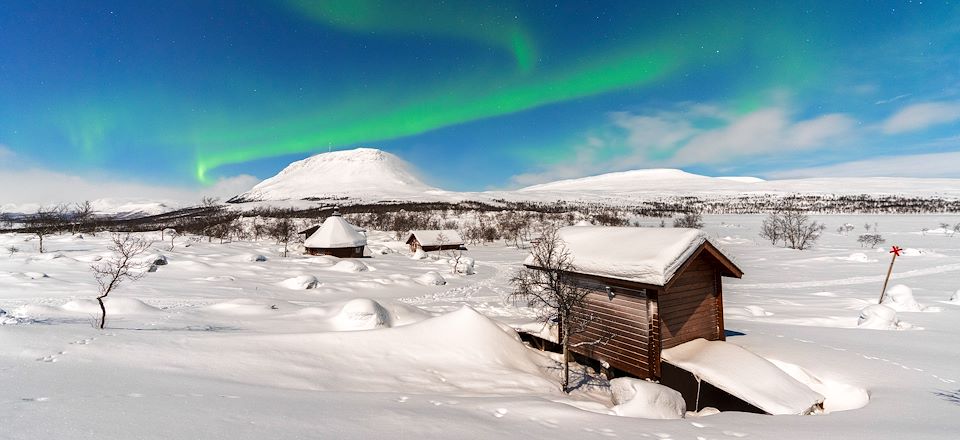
919	116
36	186
761	132
894	99
5	152
916	165
672	139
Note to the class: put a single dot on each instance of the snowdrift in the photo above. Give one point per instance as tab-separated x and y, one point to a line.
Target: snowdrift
745	375
647	400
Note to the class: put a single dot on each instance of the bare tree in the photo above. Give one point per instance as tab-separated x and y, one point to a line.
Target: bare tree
210	202
120	267
81	215
793	227
870	239
41	223
546	285
691	219
283	231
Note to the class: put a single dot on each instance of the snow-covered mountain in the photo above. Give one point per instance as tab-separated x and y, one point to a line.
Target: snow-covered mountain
669	182
363	173
371	175
659	180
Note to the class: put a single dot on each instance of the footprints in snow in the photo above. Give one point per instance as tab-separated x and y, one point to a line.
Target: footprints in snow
874	358
50	358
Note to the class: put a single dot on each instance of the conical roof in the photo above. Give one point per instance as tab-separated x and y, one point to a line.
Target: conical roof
336	233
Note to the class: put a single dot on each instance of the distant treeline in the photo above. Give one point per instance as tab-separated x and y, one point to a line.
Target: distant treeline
488	219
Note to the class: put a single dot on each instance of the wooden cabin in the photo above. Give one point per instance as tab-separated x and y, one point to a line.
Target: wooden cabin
336	237
650	289
435	240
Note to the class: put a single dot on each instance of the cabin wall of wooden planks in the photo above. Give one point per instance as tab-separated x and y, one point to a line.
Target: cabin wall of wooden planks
622	322
690	307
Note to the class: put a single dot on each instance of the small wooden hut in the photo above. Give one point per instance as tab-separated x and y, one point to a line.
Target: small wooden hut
650	289
336	237
435	240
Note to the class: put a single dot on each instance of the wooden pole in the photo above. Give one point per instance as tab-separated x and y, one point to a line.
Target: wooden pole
895	251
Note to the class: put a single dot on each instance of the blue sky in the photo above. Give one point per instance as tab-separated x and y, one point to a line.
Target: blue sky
478	95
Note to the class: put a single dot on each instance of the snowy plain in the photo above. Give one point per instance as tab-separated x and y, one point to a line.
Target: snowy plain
216	344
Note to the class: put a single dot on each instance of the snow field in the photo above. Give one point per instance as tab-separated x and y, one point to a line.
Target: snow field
219	343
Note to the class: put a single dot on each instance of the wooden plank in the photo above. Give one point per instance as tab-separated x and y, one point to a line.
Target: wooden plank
619	337
615	329
632	317
701	286
686	309
696	278
638	308
603	353
619	299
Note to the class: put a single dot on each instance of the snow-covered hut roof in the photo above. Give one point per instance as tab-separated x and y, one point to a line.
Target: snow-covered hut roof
642	255
432	238
745	375
335	232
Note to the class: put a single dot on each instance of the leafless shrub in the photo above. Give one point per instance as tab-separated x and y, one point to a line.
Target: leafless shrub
548	287
792	227
120	267
692	219
870	239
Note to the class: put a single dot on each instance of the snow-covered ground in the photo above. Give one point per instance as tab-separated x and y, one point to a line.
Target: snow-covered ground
216	344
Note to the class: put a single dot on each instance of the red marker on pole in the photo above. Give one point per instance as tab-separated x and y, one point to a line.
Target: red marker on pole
896	253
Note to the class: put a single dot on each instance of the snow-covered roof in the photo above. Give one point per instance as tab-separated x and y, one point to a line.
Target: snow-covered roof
643	255
432	238
335	232
745	375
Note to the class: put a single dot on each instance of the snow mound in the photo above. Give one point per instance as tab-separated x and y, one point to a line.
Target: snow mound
379	249
858	257
34	275
917	252
362	314
114	306
955	298
465	265
900	298
836	396
158	260
878	317
350	266
302	282
431	279
419	255
256	258
647	400
323	260
755	380
241	307
6	319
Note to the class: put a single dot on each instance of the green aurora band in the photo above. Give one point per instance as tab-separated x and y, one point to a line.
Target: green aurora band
230	126
440	110
421	17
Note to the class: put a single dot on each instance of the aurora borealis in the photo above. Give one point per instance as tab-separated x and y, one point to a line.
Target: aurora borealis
476	94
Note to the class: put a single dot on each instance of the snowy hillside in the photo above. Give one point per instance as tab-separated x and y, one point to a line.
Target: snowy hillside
676	182
369	175
363	173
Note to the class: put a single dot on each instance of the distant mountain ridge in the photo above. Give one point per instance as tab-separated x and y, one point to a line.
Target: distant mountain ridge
371	175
